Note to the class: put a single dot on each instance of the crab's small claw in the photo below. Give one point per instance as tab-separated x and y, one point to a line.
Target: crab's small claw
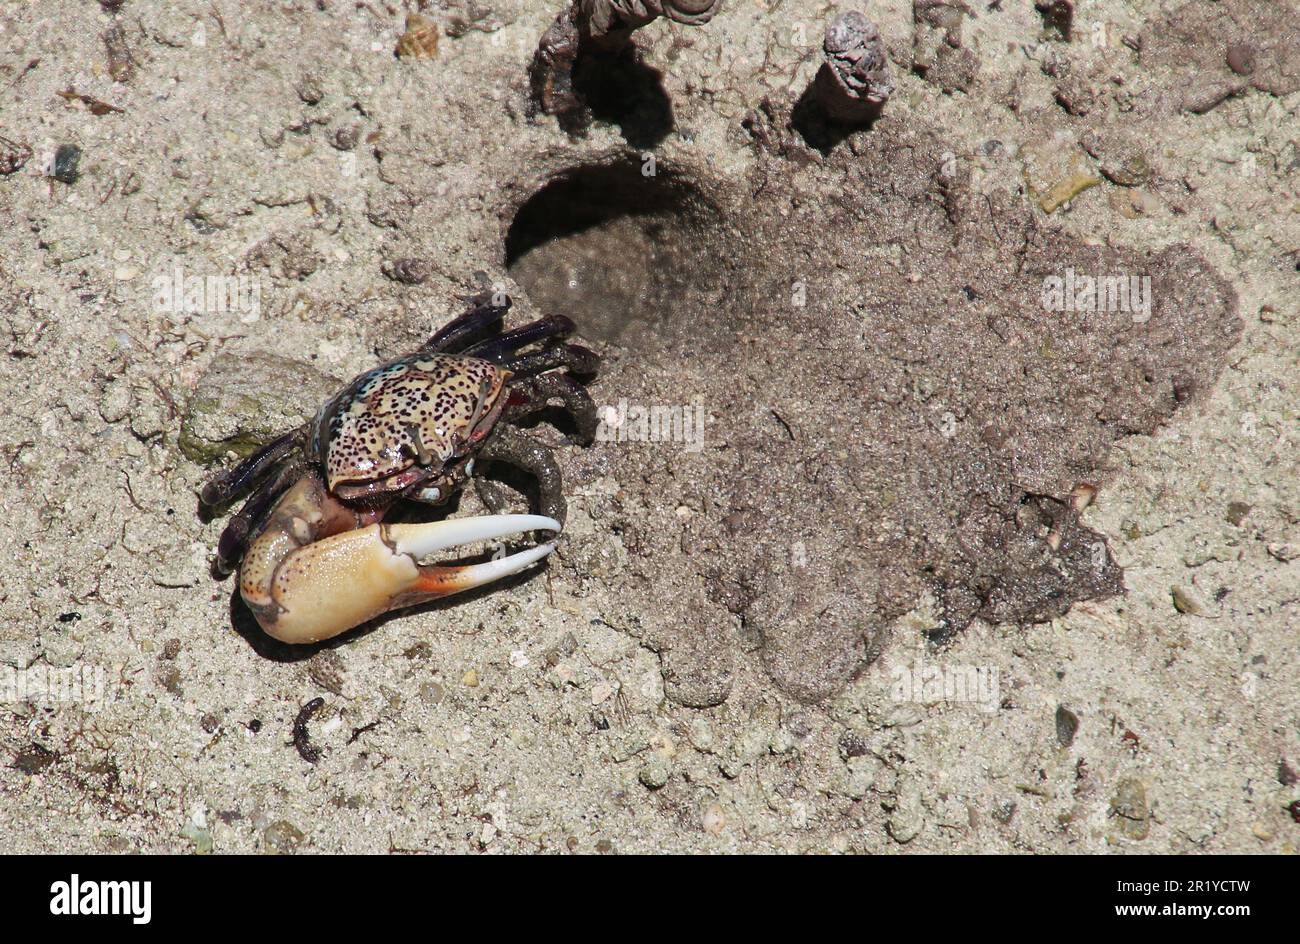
328	586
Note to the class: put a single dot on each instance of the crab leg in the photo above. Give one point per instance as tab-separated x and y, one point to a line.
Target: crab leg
313	573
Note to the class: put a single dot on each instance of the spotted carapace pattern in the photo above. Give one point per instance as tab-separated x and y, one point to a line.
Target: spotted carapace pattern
422	410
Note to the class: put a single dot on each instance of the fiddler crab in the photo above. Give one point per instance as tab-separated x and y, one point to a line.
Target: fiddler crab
317	556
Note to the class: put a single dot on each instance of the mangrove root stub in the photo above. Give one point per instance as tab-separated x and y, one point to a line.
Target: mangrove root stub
609	23
853	83
587	28
551	73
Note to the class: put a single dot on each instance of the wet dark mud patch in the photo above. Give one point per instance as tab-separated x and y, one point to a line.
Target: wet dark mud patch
894	408
1213	51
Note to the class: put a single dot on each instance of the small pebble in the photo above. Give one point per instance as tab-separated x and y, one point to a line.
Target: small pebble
1081	496
200	836
714	820
1241	58
408	270
1237	512
309	91
170	679
906	821
1187	600
420	41
282	837
67	160
1132	171
470	679
852	744
1131	810
345	138
655	773
1067	726
701	735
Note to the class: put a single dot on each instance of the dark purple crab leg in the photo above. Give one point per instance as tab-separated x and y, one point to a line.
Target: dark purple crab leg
234	482
576	358
539	391
498	349
457	334
512	448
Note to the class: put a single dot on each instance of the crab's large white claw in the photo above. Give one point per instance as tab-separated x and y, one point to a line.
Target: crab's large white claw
327	587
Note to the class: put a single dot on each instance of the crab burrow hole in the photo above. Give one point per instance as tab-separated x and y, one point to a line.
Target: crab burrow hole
631	252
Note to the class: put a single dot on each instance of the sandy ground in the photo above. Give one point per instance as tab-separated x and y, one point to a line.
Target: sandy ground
858	614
